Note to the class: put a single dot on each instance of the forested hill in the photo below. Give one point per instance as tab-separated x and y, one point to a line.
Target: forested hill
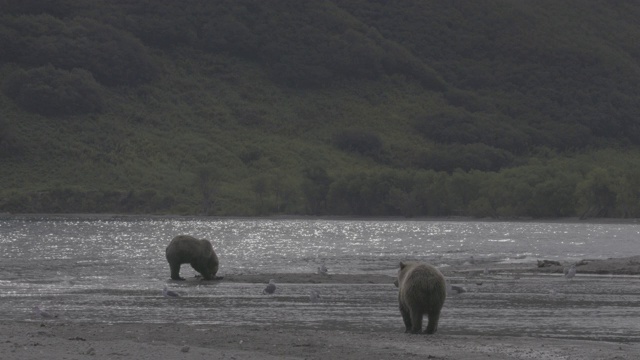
495	108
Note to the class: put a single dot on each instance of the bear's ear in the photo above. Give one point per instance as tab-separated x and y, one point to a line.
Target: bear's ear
402	265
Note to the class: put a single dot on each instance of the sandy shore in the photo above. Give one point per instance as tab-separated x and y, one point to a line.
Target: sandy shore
165	341
60	339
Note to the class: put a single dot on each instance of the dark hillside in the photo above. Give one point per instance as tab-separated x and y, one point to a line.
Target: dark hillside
565	69
247	107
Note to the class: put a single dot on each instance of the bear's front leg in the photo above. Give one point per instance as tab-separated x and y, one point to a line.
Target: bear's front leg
202	270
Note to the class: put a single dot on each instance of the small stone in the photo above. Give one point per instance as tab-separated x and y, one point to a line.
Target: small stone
185	348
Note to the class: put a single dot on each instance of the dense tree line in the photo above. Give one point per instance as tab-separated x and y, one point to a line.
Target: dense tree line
533	191
536	191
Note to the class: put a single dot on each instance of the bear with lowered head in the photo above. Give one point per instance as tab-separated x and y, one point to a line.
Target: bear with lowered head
421	290
185	249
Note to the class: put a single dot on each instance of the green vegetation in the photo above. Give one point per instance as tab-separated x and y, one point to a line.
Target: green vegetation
51	92
333	107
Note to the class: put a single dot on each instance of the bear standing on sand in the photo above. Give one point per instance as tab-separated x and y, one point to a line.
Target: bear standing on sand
421	290
184	249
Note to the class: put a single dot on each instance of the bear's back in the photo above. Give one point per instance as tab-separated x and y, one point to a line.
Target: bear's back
419	280
185	244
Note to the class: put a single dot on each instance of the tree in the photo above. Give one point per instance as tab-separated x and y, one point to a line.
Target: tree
596	197
112	56
8	140
260	187
207	182
359	141
52	92
315	187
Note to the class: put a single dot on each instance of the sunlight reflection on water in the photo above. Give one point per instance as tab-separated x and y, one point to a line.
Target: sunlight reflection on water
348	246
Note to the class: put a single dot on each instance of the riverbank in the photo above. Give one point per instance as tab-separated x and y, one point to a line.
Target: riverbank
60	338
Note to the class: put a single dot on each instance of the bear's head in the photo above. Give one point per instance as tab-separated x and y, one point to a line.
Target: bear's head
213	265
405	267
401	273
211	257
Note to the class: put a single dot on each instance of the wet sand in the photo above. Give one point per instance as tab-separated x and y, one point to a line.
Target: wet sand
61	339
164	341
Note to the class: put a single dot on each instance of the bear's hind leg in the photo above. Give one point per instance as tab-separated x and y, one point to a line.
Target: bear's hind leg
175	271
416	321
432	327
406	318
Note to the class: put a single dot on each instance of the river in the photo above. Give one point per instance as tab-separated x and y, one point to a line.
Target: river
112	269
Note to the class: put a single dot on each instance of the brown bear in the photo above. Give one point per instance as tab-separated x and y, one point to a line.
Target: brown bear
184	249
421	290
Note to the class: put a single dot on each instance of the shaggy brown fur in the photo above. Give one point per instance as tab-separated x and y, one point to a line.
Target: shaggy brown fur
184	249
421	290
